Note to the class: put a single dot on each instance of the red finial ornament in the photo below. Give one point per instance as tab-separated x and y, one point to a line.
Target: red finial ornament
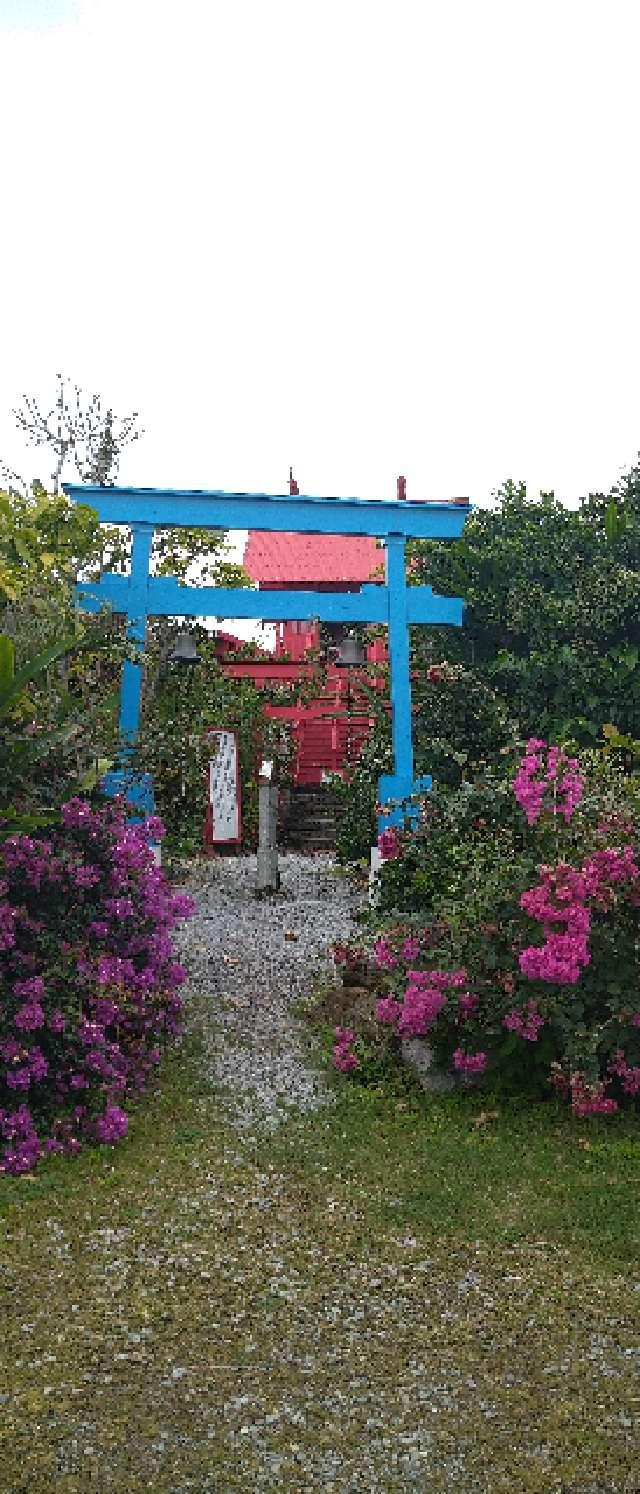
293	486
402	488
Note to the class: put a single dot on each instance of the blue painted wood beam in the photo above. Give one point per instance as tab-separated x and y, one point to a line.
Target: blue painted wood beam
171	507
406	802
137	609
400	679
169	598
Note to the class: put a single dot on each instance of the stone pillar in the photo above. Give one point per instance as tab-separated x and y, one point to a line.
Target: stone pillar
268	876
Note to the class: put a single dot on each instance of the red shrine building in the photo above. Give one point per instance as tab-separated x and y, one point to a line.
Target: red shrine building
310	562
329	731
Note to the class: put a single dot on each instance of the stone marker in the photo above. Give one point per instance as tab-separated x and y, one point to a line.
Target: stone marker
268	877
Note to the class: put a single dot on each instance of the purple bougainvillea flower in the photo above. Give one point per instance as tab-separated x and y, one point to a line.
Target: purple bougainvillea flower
100	987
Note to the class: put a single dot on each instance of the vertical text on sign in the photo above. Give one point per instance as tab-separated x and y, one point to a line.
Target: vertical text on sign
223	783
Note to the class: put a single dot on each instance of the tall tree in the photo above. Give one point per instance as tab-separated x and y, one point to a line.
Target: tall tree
77	429
82	435
552	616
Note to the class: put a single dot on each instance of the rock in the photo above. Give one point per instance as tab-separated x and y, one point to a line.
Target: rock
418	1055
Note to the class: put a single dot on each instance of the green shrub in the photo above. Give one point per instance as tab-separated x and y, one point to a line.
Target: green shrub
535	914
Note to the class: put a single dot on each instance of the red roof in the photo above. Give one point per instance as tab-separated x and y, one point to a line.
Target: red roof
293	558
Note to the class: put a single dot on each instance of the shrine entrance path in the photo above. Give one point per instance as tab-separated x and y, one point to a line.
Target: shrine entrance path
391	1292
249	960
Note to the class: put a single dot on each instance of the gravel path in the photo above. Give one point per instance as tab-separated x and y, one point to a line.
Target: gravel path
249	960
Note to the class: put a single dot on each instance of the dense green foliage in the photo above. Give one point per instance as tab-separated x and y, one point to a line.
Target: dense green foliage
550	642
460	725
42	759
534	902
181	703
62	720
61	729
356	792
551	607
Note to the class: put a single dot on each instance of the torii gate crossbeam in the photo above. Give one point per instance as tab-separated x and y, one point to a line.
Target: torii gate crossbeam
140	595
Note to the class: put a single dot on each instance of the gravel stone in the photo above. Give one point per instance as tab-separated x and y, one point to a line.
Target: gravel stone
249	959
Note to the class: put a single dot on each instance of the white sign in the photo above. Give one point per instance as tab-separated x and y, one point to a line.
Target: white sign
224	789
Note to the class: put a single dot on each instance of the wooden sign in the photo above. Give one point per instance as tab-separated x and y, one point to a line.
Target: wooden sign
223	821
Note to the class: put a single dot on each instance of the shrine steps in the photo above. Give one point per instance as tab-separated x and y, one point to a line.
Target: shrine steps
309	820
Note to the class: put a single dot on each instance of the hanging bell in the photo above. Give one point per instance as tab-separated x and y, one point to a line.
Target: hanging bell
350	651
184	650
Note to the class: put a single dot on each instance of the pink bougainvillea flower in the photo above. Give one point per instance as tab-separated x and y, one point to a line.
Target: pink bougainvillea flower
29	990
8	916
343	1055
387	1009
154	827
383	954
345	1060
388	844
629	1075
84	876
590	1099
547	780
112	1125
526	1024
467	1005
469	1063
419	1011
561	899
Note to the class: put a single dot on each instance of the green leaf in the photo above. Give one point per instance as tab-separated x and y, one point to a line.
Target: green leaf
614	522
89	779
42	745
629	656
12	823
7	662
37	667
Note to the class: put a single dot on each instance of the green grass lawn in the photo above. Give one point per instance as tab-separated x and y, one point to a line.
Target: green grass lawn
506	1171
397	1292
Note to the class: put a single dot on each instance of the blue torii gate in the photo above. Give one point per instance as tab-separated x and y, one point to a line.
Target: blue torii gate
140	595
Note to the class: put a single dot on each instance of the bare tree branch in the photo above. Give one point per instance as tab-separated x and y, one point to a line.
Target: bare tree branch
16	486
77	428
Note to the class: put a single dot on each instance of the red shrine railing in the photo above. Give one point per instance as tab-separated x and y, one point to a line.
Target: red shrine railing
328	733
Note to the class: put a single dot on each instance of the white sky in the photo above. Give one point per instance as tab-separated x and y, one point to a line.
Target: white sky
363	238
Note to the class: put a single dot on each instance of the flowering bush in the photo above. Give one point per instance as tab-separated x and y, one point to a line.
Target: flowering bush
554	784
344	1056
511	940
89	986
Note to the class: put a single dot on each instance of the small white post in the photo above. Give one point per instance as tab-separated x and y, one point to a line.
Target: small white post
376	863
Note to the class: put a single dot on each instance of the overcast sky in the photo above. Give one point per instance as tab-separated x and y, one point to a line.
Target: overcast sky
364	238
